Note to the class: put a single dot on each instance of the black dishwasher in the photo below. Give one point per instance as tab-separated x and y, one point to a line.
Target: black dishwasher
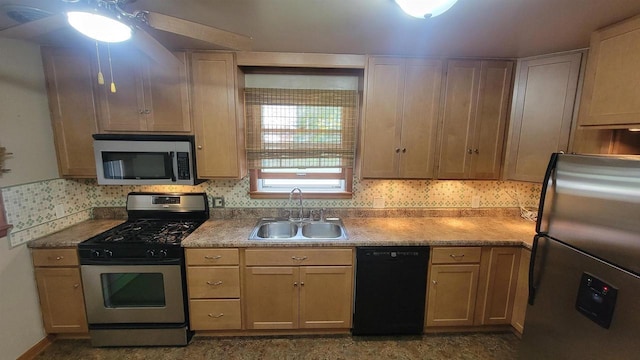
391	285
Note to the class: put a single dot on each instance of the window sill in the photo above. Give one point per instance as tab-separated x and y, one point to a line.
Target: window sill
305	195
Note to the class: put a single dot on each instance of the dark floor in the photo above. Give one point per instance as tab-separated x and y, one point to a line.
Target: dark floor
450	346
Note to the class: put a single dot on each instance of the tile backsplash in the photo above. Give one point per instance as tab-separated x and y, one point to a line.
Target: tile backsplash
40	208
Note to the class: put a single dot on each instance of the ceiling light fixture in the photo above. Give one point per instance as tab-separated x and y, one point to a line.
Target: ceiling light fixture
99	27
424	9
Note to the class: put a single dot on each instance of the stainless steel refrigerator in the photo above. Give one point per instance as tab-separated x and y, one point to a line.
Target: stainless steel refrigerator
584	279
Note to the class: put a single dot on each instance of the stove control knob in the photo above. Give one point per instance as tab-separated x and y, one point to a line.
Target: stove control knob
151	253
162	253
96	254
108	253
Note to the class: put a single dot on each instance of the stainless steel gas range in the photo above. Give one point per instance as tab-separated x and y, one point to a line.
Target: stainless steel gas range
134	274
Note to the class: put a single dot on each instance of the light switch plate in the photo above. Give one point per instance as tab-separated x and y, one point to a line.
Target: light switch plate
378	202
59	210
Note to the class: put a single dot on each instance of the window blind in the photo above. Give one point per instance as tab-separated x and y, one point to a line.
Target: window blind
300	128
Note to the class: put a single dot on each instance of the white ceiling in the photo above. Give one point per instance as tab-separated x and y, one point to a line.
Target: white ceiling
482	28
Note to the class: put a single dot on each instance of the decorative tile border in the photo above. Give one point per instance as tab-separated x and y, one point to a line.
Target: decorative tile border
31	208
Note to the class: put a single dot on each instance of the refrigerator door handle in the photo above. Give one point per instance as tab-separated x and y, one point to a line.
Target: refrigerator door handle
532	265
545	184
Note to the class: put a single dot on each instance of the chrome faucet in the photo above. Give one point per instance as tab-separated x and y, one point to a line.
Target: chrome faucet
300	208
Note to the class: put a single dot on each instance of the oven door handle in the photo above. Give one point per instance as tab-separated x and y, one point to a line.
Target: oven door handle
130	261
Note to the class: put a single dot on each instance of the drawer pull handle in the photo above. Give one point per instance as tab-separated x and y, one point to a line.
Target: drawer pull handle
59	257
209	257
216	316
214	283
299	258
453	256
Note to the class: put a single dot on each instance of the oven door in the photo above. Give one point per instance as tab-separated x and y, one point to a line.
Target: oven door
118	294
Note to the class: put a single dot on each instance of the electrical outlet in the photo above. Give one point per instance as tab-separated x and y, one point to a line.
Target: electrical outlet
475	201
217	201
378	202
59	210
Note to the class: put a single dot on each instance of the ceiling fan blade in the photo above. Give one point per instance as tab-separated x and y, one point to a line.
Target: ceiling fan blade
226	39
152	48
35	28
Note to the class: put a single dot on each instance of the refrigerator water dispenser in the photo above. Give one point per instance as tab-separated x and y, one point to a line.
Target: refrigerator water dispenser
596	300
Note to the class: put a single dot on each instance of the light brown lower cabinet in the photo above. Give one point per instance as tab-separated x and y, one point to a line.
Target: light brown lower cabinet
60	290
471	286
298	297
213	283
522	292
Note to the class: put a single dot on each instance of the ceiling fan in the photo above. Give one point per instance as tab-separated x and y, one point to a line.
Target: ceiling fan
138	22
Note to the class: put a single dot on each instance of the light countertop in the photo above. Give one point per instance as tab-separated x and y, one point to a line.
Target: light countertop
440	231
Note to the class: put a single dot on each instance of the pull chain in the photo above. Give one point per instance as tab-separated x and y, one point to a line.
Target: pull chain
100	76
113	84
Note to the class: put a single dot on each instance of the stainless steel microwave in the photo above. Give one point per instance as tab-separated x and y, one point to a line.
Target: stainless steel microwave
145	159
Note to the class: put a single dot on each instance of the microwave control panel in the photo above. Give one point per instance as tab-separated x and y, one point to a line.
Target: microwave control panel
184	173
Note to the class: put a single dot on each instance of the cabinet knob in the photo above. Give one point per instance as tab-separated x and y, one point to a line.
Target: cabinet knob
476	151
140	111
469	151
199	147
434	282
59	257
75	286
397	150
147	111
295	283
301	283
404	150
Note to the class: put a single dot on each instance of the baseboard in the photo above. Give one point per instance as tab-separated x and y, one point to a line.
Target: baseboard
36	349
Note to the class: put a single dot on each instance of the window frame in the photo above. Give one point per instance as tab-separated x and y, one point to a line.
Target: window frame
256	175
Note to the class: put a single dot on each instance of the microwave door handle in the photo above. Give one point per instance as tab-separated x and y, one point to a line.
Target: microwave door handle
174	167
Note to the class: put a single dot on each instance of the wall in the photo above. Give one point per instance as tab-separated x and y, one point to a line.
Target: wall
25	131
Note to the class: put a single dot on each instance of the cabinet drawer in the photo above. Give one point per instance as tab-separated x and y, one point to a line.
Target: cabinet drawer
455	255
212	257
215	314
298	256
55	257
213	282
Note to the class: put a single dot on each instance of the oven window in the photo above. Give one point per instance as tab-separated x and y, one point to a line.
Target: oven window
137	165
132	290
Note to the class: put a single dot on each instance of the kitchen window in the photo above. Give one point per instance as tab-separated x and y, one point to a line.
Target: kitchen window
301	138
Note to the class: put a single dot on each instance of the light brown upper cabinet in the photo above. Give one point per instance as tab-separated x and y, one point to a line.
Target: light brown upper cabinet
218	115
69	79
474	117
149	97
400	117
611	91
544	99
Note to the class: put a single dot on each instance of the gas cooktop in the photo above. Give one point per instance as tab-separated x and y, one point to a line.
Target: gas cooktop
157	223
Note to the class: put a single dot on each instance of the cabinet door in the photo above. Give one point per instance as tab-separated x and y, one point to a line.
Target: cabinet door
69	81
271	297
219	128
452	294
420	118
382	116
522	292
61	300
611	90
325	296
123	110
502	279
460	101
490	119
167	97
544	99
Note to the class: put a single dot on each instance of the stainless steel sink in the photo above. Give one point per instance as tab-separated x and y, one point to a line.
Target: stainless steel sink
277	230
283	229
319	230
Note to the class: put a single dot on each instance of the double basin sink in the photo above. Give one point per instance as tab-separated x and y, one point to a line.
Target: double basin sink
284	229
